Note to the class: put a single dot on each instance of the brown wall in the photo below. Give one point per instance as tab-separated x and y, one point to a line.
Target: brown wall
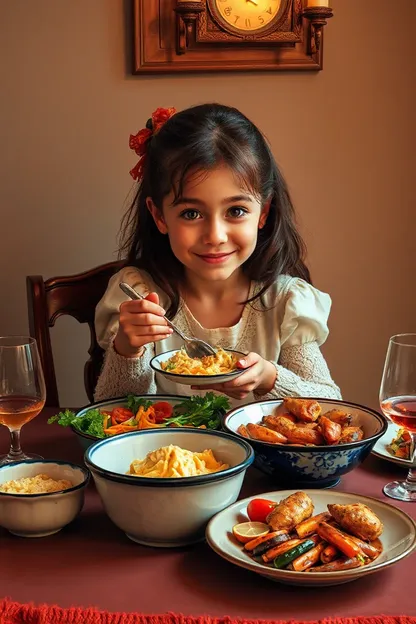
344	138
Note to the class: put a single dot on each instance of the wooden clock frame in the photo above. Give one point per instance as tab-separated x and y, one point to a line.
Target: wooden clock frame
172	36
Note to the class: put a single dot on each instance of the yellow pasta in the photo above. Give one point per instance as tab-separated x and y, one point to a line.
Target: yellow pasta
181	364
173	461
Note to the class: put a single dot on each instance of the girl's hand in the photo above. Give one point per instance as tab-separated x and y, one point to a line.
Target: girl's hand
260	376
141	322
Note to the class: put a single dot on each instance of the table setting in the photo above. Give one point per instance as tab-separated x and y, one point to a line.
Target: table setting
165	508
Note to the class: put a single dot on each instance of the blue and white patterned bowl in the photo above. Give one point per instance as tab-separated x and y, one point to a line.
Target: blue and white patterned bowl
309	466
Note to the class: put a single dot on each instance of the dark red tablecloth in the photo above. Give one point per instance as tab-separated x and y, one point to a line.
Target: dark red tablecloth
92	563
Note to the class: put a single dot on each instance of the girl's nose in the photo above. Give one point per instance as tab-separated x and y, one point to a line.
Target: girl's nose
216	233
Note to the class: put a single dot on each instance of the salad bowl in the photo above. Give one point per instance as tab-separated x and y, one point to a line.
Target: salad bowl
104	419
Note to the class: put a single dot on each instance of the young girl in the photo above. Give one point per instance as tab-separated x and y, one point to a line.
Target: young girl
210	239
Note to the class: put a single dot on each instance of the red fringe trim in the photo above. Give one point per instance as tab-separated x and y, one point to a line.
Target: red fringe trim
15	613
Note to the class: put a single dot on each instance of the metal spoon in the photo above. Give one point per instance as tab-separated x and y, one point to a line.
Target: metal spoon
194	347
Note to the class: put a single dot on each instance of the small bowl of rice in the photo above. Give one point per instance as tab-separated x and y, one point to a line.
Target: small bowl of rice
40	497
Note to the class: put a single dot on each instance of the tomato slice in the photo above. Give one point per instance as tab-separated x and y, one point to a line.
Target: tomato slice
120	415
163	410
259	508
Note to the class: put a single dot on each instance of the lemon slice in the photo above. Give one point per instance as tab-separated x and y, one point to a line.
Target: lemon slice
246	531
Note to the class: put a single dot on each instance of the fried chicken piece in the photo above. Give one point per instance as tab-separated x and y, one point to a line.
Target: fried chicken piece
291	511
331	431
282	415
357	519
306	410
338	416
265	435
242	430
351	434
305	435
281	424
294	434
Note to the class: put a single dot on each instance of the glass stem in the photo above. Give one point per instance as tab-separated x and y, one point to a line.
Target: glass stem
410	482
15	450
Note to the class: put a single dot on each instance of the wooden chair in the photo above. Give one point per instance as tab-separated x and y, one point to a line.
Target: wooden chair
77	296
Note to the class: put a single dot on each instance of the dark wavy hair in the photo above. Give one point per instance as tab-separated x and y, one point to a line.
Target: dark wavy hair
195	140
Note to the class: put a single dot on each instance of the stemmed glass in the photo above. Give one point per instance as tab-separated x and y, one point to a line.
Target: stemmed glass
22	390
398	402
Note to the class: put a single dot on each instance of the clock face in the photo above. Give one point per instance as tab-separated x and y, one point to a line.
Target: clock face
247	16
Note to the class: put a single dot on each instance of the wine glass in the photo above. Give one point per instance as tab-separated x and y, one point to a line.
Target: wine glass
22	390
398	402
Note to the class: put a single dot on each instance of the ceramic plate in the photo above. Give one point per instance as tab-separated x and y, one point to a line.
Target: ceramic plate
192	380
380	448
398	538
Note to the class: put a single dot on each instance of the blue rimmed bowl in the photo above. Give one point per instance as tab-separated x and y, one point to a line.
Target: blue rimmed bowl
308	466
39	515
161	511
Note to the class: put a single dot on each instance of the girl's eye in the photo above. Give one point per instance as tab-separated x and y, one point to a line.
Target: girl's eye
237	211
190	215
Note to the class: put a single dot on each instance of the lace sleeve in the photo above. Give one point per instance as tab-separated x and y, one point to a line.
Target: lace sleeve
121	376
302	371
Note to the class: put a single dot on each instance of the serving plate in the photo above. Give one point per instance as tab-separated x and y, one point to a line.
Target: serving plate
380	448
398	538
193	380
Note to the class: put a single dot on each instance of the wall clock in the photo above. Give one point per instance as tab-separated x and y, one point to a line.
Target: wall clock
228	35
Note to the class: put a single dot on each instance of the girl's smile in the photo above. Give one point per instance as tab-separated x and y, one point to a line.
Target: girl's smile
215	258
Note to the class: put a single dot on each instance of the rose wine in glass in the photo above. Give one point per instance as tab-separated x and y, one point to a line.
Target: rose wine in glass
398	403
22	390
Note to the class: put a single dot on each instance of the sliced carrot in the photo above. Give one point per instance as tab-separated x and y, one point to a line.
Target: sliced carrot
309	526
309	558
329	554
339	539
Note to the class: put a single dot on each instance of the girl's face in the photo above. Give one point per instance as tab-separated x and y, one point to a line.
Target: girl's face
213	227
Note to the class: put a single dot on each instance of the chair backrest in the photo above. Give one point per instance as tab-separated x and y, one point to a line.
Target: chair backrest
74	295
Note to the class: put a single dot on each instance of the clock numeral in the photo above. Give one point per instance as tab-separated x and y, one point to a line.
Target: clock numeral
269	10
248	23
236	18
261	19
228	10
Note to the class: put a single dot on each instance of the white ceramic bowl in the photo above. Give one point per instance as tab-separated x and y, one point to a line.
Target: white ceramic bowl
398	538
309	466
38	515
162	511
193	380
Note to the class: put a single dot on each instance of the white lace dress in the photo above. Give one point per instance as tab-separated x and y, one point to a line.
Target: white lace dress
287	330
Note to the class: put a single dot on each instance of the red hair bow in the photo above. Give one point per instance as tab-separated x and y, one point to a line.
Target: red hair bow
139	142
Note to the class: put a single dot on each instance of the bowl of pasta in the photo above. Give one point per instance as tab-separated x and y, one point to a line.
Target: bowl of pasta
162	486
178	367
304	442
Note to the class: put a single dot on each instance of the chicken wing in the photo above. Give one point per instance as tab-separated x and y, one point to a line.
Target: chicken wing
351	434
242	430
294	434
338	416
306	410
331	431
265	435
291	511
305	435
281	424
357	519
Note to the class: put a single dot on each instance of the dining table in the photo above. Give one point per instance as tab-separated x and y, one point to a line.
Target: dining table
91	563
